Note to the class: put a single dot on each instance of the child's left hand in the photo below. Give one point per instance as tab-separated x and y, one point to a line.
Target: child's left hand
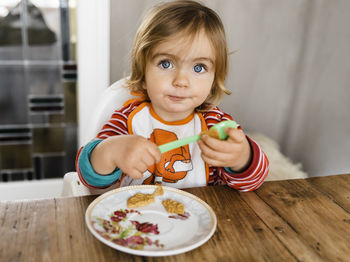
234	152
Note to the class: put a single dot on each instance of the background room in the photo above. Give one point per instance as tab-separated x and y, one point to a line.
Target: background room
289	77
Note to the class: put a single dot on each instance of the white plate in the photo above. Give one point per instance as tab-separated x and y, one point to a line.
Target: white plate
175	235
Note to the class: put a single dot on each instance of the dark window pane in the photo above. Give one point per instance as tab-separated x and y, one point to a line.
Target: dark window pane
53	166
48	139
13	96
38	118
11	34
70	96
56	118
71	146
16	176
16	156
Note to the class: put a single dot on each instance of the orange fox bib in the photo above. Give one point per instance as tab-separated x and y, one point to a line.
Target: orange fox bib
181	167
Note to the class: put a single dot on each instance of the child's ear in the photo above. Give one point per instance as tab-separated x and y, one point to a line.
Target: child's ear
144	85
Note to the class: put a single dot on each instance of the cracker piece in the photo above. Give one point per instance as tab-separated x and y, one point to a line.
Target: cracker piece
173	206
140	200
158	191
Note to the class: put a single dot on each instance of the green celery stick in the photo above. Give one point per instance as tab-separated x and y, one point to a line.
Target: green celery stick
178	143
219	127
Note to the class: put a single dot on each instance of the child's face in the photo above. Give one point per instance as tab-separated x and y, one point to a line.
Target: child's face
179	76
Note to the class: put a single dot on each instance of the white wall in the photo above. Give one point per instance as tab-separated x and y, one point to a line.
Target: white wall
289	77
93	33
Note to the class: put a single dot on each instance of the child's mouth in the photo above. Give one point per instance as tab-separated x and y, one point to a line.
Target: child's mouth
176	98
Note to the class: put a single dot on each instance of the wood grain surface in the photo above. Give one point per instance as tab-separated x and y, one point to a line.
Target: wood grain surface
291	220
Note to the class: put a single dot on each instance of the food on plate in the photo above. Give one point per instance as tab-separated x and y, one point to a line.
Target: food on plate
159	191
173	206
140	199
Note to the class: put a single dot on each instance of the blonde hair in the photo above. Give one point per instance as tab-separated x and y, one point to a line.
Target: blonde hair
169	19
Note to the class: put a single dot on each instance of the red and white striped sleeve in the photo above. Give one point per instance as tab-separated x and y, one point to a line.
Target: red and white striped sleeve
117	124
249	179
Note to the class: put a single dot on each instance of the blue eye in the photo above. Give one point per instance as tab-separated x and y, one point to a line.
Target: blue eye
198	68
165	64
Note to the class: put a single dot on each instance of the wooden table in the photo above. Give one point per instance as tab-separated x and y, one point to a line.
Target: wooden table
292	220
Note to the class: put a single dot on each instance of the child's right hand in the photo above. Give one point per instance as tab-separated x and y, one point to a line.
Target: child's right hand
133	154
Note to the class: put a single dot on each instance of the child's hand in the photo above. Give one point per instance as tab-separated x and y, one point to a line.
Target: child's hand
131	153
233	152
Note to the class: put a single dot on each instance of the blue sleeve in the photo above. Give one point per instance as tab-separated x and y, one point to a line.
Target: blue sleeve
229	170
91	177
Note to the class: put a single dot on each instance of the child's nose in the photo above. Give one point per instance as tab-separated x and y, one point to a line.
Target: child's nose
181	79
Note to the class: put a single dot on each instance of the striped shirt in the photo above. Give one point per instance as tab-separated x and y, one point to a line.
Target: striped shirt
247	180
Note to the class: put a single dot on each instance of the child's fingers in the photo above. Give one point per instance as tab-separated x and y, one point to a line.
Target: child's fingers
211	153
137	169
147	160
154	152
135	174
212	162
211	142
235	135
215	144
206	149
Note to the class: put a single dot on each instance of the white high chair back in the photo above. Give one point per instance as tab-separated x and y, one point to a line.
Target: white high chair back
111	99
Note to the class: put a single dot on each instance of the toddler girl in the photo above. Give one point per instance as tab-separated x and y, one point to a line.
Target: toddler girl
179	66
